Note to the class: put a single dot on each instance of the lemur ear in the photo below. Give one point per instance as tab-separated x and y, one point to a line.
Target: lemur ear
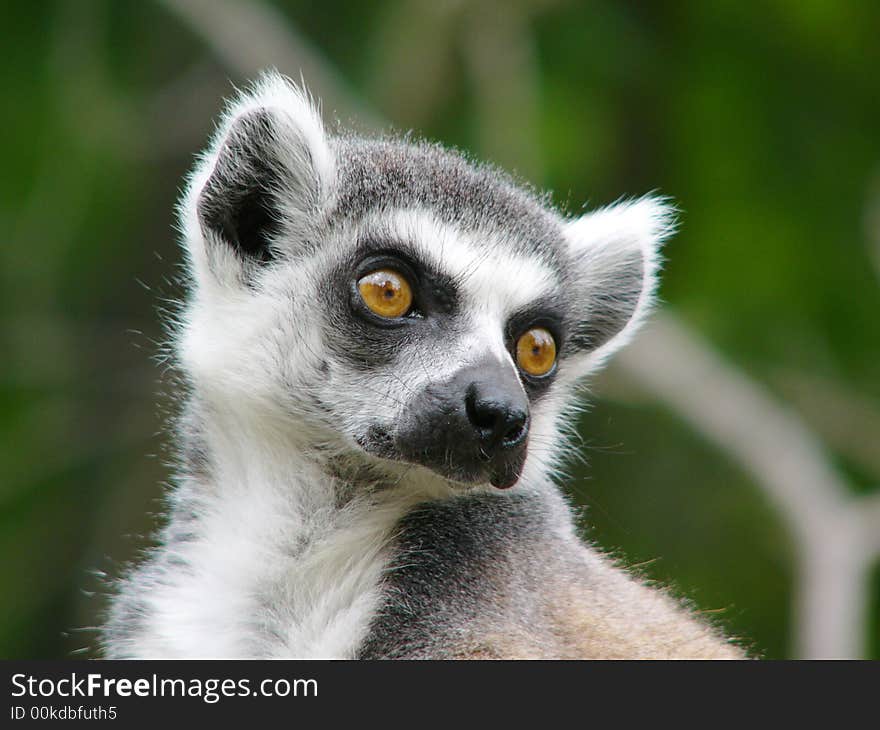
259	189
615	253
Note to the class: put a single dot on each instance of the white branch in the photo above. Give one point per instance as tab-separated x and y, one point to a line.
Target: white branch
869	512
835	540
741	418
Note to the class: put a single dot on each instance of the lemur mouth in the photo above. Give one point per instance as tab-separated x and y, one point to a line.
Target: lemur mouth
502	480
471	463
465	465
504	473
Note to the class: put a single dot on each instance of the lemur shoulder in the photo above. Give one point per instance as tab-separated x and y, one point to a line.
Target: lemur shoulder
381	343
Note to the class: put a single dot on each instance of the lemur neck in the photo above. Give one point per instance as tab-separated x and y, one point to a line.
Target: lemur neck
271	482
284	547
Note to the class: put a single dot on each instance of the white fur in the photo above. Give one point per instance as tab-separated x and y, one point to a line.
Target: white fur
276	568
494	282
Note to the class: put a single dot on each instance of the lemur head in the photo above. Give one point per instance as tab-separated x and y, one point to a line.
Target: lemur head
393	301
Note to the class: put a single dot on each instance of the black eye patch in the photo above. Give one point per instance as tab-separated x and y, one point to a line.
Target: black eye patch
547	313
363	338
435	292
543	314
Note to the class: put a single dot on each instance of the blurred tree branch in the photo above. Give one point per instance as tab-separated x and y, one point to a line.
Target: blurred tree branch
872	223
502	65
248	36
848	422
835	532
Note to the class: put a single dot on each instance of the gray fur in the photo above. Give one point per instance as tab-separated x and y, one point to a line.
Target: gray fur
394	173
460	566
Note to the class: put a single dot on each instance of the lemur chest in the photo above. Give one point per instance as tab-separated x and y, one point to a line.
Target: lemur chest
318	613
320	601
395	580
290	584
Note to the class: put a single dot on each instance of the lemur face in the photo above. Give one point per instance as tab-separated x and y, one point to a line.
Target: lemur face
395	301
446	339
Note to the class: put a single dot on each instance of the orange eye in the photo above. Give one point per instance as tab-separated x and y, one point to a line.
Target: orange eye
536	352
386	292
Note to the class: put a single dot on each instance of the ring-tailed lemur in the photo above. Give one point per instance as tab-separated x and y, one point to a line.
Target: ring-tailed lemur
381	343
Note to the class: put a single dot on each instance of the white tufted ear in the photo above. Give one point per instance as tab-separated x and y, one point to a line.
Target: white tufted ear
258	191
615	254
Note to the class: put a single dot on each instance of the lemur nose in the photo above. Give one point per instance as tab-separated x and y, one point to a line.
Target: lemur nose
500	421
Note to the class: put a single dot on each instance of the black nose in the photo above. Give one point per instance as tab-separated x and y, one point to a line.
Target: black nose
500	419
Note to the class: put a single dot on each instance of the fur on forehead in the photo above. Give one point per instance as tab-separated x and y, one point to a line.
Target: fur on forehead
378	175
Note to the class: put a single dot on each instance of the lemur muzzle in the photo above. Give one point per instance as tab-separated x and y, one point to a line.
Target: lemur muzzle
471	428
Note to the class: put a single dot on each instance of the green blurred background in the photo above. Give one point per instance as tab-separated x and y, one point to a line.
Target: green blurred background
761	122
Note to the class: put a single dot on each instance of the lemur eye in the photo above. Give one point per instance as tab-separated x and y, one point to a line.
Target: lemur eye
536	352
386	292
